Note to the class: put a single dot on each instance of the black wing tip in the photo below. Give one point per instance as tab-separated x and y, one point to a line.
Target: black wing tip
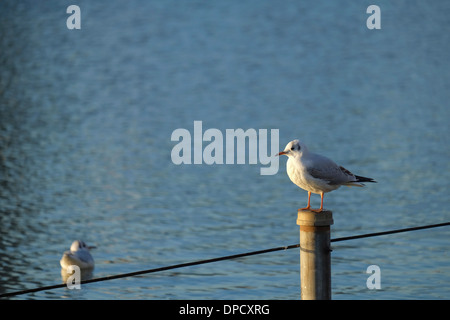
364	179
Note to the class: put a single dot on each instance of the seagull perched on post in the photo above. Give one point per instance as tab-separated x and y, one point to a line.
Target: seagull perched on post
78	255
317	174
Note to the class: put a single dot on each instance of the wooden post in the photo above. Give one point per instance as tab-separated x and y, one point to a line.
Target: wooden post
315	257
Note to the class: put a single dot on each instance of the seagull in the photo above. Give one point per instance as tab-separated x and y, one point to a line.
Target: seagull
78	255
315	173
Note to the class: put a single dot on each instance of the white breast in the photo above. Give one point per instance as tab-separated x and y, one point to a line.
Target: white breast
299	175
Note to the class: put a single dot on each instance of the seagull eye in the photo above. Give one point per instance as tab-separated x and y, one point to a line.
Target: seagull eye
292	148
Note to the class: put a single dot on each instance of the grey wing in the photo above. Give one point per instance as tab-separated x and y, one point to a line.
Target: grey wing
325	169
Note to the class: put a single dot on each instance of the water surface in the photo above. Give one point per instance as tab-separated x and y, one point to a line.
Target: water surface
86	118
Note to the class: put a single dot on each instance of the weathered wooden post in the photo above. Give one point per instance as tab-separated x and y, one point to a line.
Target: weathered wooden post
315	254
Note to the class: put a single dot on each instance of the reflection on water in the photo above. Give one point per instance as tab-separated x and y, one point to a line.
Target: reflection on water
86	118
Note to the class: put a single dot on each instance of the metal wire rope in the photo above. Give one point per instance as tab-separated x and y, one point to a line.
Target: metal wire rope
229	257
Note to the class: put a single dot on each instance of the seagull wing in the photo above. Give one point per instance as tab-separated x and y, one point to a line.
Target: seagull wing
325	169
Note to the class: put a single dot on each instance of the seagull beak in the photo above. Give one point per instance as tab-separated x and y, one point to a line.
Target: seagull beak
281	153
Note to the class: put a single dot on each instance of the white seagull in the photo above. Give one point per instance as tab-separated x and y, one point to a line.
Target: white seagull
78	255
315	173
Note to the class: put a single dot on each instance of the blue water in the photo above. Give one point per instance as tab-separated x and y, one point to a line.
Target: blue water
86	118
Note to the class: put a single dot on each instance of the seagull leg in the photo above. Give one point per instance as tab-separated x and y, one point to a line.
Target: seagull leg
321	204
309	199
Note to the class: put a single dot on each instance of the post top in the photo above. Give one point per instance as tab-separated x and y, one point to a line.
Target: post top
314	219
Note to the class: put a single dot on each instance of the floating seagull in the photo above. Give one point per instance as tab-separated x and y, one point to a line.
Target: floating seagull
317	174
78	255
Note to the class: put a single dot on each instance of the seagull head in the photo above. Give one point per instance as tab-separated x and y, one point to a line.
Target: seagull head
293	149
78	245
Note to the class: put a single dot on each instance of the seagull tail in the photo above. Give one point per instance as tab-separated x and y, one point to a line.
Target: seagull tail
359	182
354	184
